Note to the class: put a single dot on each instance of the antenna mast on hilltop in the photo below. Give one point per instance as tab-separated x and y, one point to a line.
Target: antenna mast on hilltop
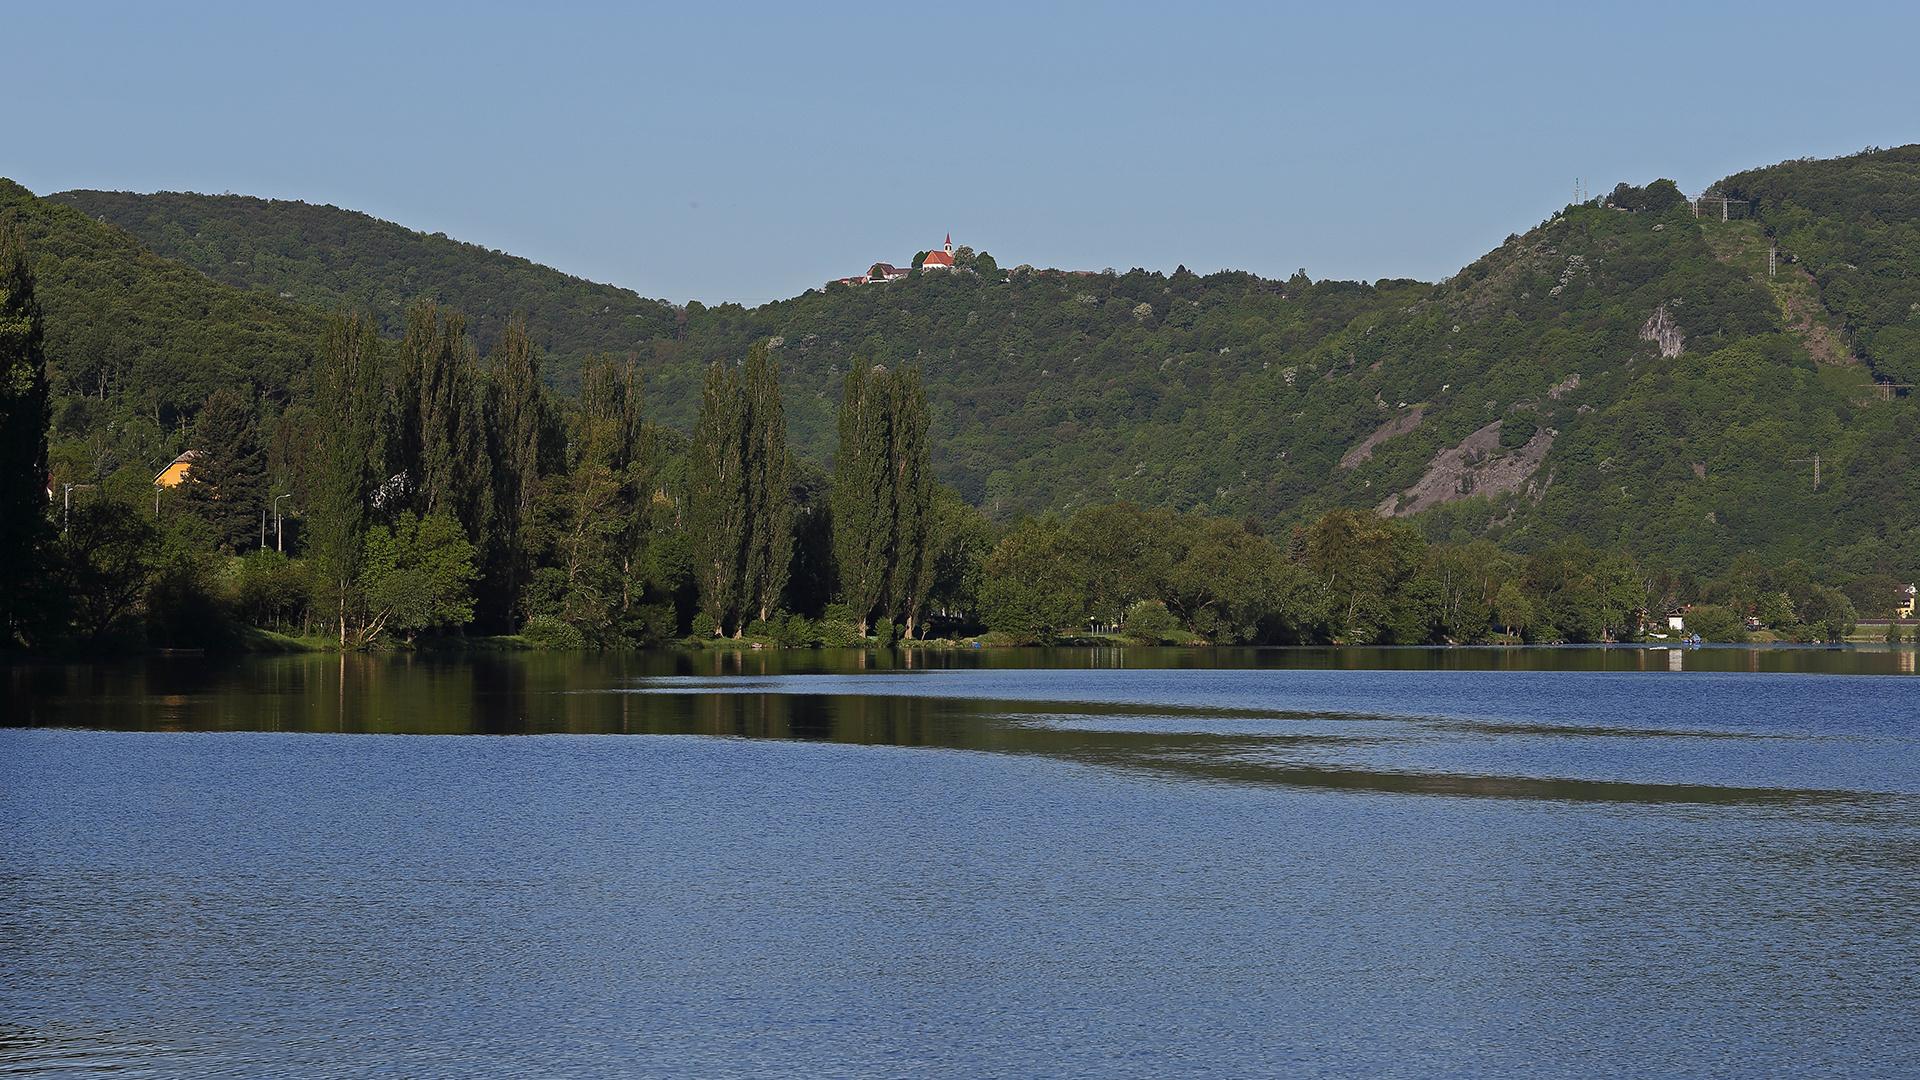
1723	204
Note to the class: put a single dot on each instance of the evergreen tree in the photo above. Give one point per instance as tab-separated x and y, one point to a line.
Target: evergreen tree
525	442
769	552
718	507
24	417
342	479
226	486
863	496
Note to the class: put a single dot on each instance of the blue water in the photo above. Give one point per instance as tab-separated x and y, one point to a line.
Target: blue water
966	873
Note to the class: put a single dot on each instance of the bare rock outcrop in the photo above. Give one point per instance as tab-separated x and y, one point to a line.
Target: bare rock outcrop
1475	467
1662	331
1399	425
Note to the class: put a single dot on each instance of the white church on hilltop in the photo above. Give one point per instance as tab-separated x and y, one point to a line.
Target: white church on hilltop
940	259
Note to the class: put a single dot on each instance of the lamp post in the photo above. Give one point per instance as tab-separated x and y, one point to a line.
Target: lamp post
66	501
279	537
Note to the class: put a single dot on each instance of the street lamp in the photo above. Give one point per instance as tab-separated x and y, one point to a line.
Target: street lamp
279	538
66	501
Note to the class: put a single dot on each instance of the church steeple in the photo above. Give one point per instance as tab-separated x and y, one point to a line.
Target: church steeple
949	248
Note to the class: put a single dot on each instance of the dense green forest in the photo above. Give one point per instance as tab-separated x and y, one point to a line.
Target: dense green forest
1681	408
325	257
136	343
1242	397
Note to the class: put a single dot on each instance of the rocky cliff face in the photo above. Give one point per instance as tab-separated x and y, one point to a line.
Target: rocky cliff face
1662	331
1475	467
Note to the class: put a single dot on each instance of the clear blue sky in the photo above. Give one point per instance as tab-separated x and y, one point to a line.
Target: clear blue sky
747	152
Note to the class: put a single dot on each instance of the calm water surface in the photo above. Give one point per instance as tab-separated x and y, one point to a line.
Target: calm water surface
1050	864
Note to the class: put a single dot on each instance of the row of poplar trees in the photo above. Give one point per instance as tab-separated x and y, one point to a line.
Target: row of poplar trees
431	434
741	506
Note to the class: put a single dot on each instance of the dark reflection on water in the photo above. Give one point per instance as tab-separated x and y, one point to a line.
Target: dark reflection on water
1796	724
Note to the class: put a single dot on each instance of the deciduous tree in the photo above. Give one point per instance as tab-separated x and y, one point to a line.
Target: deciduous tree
417	575
438	430
525	446
718	509
767	468
342	477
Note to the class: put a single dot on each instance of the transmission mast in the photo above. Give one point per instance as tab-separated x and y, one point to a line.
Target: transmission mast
1816	467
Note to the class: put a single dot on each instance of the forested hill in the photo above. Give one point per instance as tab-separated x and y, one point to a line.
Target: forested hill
1854	224
326	257
1629	372
136	343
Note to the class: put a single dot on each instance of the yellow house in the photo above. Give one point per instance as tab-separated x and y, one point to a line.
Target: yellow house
174	474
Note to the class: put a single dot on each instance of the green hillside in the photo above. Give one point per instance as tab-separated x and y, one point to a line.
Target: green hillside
1242	397
1627	372
136	343
1852	226
326	257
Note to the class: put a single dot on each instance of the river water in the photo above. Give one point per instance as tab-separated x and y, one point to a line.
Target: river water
1068	863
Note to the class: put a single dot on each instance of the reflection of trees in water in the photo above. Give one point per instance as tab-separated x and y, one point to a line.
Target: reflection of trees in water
724	696
893	721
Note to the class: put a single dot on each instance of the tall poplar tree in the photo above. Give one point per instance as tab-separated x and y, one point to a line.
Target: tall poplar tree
910	461
741	492
525	443
863	493
769	550
24	416
439	434
883	525
342	476
718	507
226	486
